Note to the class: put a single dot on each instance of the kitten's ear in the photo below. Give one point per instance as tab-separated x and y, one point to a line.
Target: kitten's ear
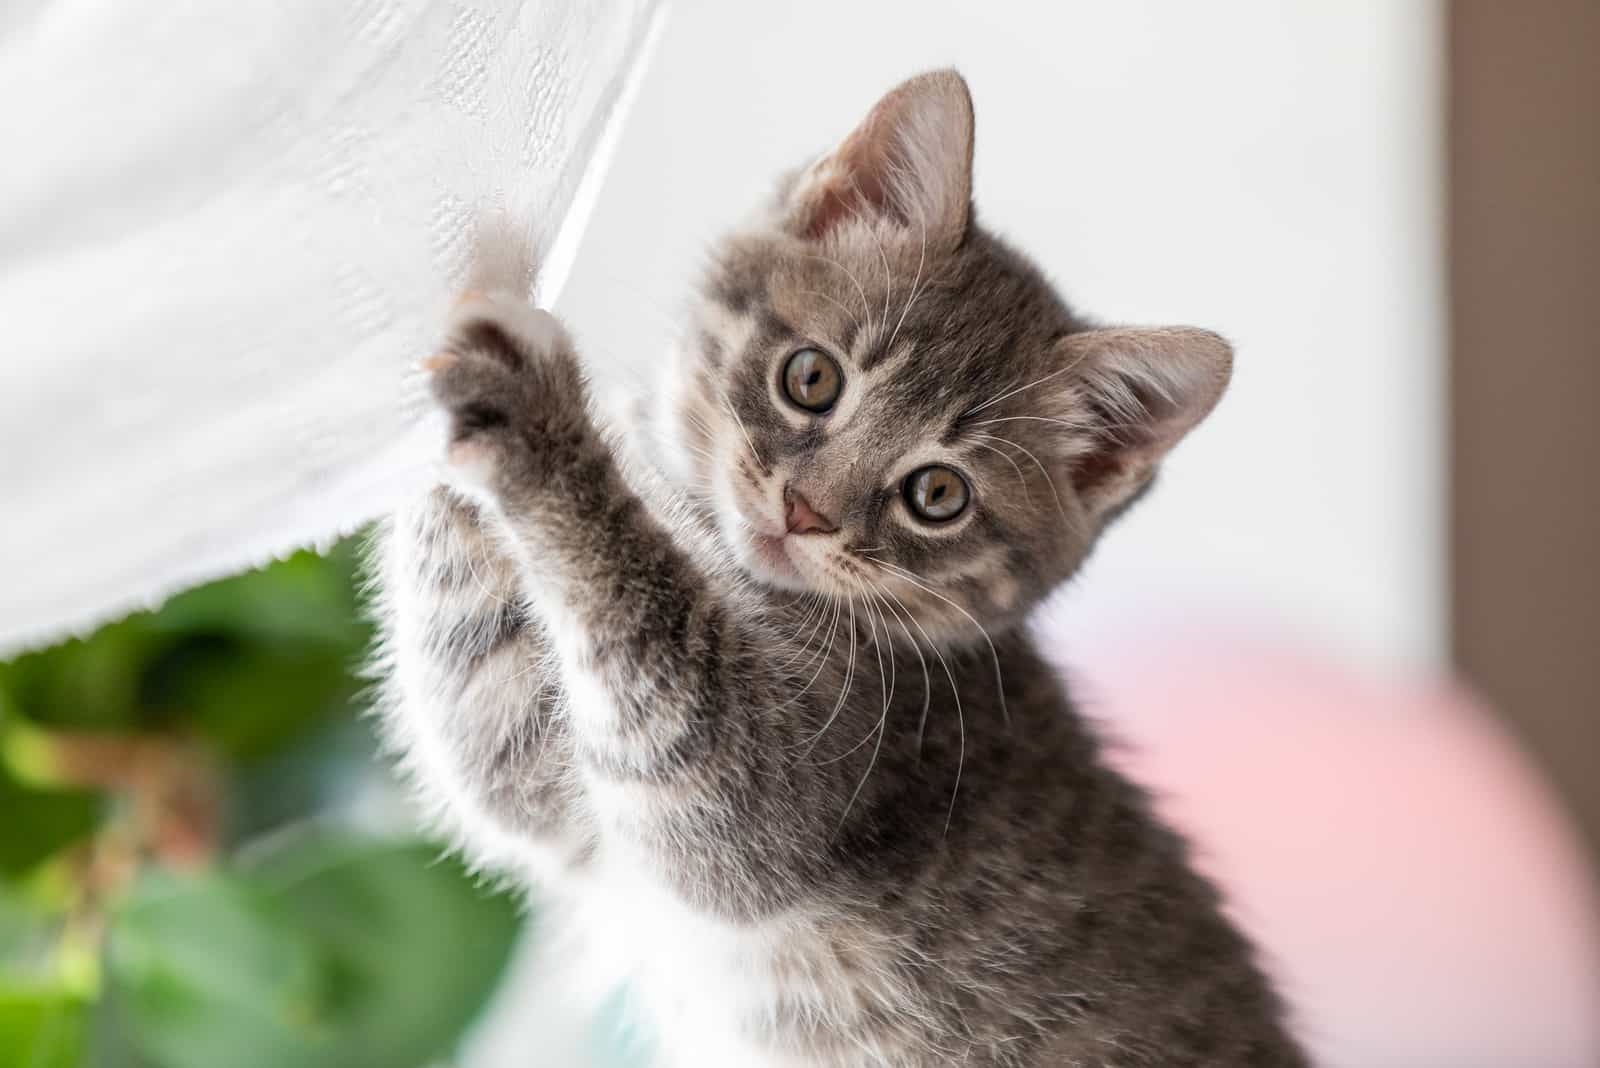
1140	390
910	160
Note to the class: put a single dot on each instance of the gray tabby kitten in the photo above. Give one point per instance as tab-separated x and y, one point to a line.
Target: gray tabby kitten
772	726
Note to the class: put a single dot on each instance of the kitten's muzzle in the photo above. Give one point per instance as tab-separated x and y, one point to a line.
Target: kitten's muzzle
800	518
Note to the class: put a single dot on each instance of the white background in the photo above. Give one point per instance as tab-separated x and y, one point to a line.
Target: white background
1268	170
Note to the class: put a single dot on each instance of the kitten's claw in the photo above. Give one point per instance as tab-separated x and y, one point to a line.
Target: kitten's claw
504	374
439	361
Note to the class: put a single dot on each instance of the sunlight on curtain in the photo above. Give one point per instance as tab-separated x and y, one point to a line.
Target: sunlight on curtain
226	232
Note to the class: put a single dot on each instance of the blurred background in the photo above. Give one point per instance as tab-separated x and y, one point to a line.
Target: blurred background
1350	639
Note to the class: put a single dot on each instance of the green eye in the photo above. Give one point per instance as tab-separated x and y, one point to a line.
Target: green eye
936	493
812	380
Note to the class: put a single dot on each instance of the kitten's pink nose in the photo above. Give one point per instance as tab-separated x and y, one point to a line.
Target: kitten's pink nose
800	517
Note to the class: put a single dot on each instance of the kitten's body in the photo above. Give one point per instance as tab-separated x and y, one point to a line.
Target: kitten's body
813	788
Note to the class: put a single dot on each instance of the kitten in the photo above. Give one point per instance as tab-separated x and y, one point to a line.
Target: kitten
774	728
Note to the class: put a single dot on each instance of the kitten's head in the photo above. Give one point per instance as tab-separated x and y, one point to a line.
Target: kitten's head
886	403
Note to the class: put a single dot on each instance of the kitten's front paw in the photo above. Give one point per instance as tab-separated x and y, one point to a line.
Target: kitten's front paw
507	379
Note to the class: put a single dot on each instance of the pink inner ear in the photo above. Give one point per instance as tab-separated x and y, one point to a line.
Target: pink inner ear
832	207
909	162
1119	443
1094	469
855	188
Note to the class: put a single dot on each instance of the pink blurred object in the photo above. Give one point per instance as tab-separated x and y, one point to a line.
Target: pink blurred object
1412	882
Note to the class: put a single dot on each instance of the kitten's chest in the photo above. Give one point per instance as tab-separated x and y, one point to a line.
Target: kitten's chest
717	993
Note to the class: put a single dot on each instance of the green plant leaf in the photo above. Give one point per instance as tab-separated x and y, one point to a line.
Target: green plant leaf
302	598
28	932
205	969
250	699
324	769
420	945
85	682
324	950
40	822
249	662
41	1027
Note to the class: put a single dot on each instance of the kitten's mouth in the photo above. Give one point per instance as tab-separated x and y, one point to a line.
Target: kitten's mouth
773	554
772	559
766	547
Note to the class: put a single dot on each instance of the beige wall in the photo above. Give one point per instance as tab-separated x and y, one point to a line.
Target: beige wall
1525	321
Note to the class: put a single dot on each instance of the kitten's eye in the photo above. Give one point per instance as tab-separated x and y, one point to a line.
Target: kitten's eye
812	380
936	493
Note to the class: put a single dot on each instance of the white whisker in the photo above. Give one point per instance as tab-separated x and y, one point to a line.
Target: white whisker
866	306
882	728
1014	465
1037	381
1068	423
882	593
754	453
1049	481
955	692
994	653
818	609
912	297
888	278
854	318
844	690
820	658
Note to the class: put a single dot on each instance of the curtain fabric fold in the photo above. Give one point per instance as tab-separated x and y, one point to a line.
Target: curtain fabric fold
226	233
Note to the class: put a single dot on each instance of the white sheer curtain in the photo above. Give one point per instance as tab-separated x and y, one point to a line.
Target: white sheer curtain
226	231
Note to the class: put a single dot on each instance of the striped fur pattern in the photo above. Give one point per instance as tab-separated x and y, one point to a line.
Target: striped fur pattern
815	792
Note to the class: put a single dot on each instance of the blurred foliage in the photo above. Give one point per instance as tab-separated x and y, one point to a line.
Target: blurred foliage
181	880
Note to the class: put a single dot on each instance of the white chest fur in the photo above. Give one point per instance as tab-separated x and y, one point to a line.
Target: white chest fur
713	990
